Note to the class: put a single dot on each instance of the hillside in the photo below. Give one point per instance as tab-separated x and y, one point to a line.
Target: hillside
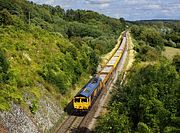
46	55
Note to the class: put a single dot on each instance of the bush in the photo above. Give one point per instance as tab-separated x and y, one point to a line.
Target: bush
147	53
4	66
5	17
34	107
176	62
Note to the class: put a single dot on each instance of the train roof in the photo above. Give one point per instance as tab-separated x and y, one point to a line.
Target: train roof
123	43
89	87
106	69
117	54
112	61
102	76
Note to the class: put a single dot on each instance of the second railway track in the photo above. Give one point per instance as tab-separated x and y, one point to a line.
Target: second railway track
70	124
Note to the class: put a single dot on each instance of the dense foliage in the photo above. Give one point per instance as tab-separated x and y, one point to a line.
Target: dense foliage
150	38
169	30
47	46
148	42
148	102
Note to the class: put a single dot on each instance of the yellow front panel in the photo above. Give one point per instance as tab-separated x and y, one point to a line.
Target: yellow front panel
81	105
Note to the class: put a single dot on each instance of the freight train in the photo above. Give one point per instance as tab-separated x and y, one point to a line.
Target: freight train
85	98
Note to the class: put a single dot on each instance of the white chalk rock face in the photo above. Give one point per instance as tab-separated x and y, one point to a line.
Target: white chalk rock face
16	121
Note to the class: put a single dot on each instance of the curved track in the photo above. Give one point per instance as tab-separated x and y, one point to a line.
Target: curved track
79	124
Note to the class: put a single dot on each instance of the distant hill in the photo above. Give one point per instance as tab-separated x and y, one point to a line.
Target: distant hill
154	21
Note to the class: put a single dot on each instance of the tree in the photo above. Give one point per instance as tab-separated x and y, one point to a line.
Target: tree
5	17
176	62
148	100
4	66
152	37
143	128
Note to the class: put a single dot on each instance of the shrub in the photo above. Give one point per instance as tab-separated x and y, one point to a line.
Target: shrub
34	107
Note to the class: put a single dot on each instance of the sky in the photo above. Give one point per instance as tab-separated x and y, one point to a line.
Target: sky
128	9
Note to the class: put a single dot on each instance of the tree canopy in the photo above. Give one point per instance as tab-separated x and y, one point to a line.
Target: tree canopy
148	102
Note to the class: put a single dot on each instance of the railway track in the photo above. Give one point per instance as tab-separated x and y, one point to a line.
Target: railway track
80	124
70	124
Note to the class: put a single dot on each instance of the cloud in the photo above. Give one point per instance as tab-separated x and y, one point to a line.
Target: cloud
135	2
129	9
153	6
101	4
104	5
98	1
50	2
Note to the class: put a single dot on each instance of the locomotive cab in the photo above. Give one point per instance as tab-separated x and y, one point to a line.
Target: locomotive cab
81	103
83	100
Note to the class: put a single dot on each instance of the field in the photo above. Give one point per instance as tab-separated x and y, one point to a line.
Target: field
170	52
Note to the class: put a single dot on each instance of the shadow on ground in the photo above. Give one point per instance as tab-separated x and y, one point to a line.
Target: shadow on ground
81	130
69	109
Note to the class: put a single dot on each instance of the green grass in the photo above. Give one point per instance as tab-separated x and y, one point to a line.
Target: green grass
170	52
